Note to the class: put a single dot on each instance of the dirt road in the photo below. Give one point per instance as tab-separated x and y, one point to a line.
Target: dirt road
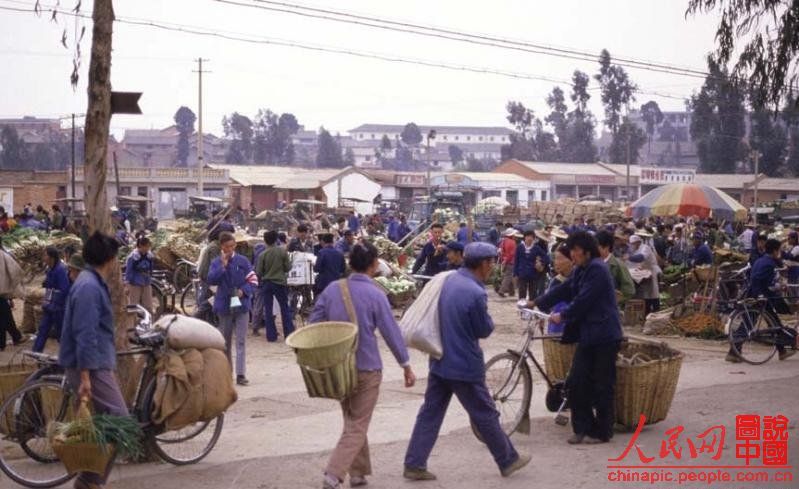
276	437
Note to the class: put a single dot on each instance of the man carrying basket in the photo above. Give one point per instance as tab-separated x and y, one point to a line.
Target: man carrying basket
371	311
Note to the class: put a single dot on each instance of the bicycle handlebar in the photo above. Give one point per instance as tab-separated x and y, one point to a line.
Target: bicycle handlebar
534	312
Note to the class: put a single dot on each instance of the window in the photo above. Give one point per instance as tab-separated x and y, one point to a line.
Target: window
491	138
481	138
373	136
124	190
142	191
360	135
456	138
445	138
468	138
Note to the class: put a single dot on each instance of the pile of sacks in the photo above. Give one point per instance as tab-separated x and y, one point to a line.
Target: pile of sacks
194	382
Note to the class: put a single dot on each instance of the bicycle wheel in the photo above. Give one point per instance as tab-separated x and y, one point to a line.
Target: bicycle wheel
187	445
159	301
511	386
753	335
25	453
182	276
188	299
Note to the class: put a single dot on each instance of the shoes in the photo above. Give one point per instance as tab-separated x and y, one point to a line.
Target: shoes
242	380
732	358
330	482
590	440
501	294
357	481
575	439
519	464
415	474
785	354
255	332
24	339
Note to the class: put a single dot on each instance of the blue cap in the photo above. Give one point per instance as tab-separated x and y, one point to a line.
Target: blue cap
480	250
455	246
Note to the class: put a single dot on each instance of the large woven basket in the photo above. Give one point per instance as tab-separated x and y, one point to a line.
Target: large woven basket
326	355
12	377
402	299
84	457
31	317
557	358
647	385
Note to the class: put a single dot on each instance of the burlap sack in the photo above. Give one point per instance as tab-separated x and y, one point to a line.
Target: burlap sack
217	383
179	391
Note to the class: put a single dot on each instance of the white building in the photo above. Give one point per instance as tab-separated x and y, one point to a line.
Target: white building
517	190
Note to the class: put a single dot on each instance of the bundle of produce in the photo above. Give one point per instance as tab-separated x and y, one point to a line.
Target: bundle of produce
387	249
447	215
673	273
62	241
160	237
700	323
89	442
278	220
27	247
183	248
191	230
400	291
723	255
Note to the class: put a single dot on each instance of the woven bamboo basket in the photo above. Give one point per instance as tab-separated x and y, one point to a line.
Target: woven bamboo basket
84	457
634	312
402	299
557	358
705	274
326	355
647	385
12	377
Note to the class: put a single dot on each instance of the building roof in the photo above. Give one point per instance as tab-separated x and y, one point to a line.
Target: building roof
489	176
549	168
476	130
284	177
725	180
635	170
472	147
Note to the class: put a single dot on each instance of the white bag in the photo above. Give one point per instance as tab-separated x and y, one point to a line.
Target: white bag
188	332
420	325
11	276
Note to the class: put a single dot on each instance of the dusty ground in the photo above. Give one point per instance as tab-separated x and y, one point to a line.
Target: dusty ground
276	437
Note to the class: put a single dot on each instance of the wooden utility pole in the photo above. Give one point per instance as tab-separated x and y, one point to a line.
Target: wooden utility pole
98	119
200	153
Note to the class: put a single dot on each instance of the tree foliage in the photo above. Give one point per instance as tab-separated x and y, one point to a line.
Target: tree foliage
628	140
272	144
616	88
455	154
329	151
239	131
763	36
14	151
770	139
790	117
717	123
184	122
652	117
411	134
579	146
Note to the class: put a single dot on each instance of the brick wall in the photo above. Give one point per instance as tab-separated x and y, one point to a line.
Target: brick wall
36	187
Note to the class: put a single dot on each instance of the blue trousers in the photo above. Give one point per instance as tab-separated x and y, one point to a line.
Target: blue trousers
271	292
51	321
477	401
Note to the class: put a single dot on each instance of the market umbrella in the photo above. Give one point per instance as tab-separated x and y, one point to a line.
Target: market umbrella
687	199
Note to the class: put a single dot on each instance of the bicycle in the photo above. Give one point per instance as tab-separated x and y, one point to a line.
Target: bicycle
25	453
510	381
754	329
185	271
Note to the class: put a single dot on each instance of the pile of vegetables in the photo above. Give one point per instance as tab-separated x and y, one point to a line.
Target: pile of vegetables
387	249
27	246
673	273
123	432
446	215
396	285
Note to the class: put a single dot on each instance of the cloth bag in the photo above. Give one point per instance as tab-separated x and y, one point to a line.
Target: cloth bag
188	332
11	275
420	325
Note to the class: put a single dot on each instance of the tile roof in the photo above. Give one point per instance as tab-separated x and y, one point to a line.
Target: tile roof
476	130
287	177
490	176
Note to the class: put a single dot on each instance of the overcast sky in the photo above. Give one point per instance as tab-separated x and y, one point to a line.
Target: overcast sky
340	91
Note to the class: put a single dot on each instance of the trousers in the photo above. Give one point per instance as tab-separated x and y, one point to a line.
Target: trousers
7	324
141	295
477	401
507	279
527	288
230	324
351	455
271	292
51	323
106	399
591	385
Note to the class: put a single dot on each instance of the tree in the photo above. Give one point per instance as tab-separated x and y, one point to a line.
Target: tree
272	143
616	88
455	154
411	134
385	144
652	117
329	153
184	122
521	117
239	130
349	157
474	164
790	116
629	140
578	145
558	117
14	153
717	122
768	49
770	139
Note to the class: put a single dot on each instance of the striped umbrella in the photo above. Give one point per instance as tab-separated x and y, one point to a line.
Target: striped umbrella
688	199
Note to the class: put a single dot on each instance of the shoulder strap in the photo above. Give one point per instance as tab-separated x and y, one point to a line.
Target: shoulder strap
344	285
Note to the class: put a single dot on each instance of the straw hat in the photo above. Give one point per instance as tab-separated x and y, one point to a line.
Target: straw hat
558	233
543	235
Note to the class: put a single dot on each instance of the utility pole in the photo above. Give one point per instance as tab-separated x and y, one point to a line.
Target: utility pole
756	157
200	154
629	198
73	158
430	135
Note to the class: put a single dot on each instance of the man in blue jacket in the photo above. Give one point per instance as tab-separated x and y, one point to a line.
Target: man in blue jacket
464	321
764	282
353	223
56	285
403	229
530	263
701	254
592	321
433	256
329	264
236	283
138	274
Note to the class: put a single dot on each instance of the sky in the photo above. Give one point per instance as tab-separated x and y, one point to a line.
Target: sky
340	91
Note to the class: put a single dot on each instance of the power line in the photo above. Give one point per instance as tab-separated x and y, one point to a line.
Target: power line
450	34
